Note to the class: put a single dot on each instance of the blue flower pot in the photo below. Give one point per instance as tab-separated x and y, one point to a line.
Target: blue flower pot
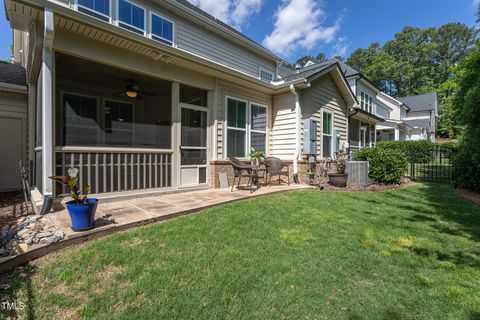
82	215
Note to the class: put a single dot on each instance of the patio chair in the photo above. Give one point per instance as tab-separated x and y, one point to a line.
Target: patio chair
275	168
242	170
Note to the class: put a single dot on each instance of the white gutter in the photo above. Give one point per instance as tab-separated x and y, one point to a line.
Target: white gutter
15	88
298	114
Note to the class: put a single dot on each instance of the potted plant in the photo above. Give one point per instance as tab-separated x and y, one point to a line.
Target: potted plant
81	208
255	156
340	178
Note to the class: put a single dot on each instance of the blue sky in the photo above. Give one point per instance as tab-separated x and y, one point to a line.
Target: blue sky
293	28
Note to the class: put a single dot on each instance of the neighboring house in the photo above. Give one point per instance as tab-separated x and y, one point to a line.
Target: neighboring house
156	95
395	112
421	116
13	124
363	118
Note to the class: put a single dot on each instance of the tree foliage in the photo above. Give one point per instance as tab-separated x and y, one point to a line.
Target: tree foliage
418	61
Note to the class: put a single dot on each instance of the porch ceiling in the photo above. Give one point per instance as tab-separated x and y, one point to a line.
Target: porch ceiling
366	116
22	15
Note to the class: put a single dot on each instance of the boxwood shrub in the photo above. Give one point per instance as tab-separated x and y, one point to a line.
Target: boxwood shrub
387	165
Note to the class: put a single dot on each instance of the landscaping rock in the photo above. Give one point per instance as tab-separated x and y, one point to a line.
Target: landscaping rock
2	251
43	234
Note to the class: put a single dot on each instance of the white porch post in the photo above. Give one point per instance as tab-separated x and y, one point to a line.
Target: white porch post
397	134
176	131
47	103
298	115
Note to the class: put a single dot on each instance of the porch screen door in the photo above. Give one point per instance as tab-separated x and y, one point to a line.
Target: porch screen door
193	147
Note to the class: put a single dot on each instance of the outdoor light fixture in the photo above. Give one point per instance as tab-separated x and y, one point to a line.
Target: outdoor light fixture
131	93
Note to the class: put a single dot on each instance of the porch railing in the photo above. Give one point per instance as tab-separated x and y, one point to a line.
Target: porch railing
114	170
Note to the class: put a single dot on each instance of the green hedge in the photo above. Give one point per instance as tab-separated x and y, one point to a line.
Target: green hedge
387	165
422	148
466	162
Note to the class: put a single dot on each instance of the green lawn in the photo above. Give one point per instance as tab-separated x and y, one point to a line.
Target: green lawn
412	253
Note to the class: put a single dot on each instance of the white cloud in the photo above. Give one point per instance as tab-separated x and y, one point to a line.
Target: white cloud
341	46
299	24
476	2
234	12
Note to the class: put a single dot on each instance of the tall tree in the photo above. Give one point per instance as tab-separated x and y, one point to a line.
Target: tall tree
418	61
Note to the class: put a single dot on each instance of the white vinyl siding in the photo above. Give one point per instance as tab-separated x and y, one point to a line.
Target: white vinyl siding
323	95
282	138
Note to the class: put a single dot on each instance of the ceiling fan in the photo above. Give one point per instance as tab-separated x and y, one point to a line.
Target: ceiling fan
132	90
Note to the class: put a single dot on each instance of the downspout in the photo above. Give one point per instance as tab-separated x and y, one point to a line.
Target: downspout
298	113
47	111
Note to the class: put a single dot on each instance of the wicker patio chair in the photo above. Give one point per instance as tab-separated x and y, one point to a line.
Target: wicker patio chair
242	170
275	168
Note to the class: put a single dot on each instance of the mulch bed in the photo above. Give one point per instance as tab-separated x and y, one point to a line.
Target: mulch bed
371	187
471	196
12	207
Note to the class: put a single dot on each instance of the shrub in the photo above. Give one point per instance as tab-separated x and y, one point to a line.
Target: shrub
422	148
466	162
386	165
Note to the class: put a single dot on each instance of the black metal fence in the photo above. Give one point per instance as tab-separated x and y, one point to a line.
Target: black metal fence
431	164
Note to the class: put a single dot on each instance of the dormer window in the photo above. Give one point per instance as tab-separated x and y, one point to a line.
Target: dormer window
131	16
161	29
266	75
97	8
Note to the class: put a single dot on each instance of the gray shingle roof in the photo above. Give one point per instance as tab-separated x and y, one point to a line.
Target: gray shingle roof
317	67
12	73
422	102
418	123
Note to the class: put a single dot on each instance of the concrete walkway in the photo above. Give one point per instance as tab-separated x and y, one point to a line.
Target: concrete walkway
125	214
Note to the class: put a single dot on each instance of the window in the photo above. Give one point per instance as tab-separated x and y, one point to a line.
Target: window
258	127
192	95
97	8
363	135
236	128
80	125
118	123
366	102
327	134
131	17
243	123
161	29
266	75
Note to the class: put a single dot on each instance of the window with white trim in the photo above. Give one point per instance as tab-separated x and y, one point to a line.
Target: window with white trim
327	134
258	127
131	16
266	75
236	128
366	102
161	29
246	127
97	8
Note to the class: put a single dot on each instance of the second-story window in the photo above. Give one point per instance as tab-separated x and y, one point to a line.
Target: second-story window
266	75
162	29
131	16
366	102
97	8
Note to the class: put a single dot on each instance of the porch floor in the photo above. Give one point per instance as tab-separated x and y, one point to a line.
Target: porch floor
132	212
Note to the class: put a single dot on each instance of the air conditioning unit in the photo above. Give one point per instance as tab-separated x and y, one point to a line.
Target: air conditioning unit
358	172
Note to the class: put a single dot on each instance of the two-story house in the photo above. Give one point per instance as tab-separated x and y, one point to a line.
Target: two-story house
421	115
149	95
407	118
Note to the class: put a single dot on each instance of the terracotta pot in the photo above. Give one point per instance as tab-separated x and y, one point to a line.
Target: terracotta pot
338	179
